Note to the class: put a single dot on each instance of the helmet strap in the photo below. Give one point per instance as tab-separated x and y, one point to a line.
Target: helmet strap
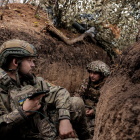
17	75
89	83
10	70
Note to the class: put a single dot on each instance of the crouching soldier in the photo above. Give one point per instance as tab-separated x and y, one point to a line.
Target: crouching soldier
30	108
89	90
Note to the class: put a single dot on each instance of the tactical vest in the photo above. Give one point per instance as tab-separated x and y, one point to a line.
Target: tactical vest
19	94
16	97
92	93
91	96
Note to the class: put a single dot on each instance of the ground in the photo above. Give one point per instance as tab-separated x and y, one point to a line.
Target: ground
118	109
58	63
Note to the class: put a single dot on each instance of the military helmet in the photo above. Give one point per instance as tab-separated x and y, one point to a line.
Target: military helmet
16	48
99	66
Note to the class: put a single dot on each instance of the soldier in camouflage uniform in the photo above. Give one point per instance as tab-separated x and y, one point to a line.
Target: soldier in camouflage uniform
45	116
89	90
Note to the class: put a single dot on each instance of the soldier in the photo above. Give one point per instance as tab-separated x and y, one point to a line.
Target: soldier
89	90
42	116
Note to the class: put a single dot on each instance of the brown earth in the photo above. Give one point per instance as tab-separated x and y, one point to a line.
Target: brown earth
58	63
118	109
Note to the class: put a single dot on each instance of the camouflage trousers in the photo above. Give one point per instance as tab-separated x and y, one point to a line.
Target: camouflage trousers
50	130
90	124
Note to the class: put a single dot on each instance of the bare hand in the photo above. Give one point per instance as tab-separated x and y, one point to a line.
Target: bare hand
65	129
32	105
89	112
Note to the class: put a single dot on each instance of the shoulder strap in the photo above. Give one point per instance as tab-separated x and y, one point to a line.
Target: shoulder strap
45	86
89	83
5	88
4	80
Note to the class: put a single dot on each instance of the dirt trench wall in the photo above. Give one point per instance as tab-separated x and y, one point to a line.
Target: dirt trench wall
57	62
118	109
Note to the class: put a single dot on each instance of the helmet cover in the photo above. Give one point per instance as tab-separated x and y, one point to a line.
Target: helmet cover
99	66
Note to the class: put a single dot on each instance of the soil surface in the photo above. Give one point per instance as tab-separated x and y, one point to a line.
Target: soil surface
58	63
118	109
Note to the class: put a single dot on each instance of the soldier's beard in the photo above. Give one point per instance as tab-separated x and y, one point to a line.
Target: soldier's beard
27	76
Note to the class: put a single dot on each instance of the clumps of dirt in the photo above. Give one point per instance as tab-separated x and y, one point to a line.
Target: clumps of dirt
58	63
19	15
22	16
118	109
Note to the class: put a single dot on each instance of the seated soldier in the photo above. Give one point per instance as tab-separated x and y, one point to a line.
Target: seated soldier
49	114
89	90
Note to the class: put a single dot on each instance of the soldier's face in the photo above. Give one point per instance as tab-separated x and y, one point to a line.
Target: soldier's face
95	76
27	65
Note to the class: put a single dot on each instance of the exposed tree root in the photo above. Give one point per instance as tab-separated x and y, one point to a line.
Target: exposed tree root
68	41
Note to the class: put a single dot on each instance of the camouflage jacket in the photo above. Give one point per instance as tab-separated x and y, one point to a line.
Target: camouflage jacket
89	92
13	121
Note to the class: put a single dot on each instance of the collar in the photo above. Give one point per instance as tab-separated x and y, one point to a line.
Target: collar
99	85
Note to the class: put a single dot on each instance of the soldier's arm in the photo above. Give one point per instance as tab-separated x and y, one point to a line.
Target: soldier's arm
8	120
60	98
95	94
81	90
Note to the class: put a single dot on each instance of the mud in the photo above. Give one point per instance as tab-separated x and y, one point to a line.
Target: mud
57	62
118	109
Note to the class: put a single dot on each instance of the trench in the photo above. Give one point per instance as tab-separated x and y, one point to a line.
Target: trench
58	63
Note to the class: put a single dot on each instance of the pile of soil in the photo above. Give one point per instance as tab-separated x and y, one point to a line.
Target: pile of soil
118	109
58	63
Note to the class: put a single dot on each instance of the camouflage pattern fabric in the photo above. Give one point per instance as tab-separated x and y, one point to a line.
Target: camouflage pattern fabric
113	33
99	66
77	118
90	96
90	124
58	104
48	7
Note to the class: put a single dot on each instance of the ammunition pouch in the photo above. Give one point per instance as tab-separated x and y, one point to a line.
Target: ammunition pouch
87	96
92	94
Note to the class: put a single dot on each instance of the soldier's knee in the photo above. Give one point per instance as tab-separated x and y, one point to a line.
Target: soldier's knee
77	103
77	108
